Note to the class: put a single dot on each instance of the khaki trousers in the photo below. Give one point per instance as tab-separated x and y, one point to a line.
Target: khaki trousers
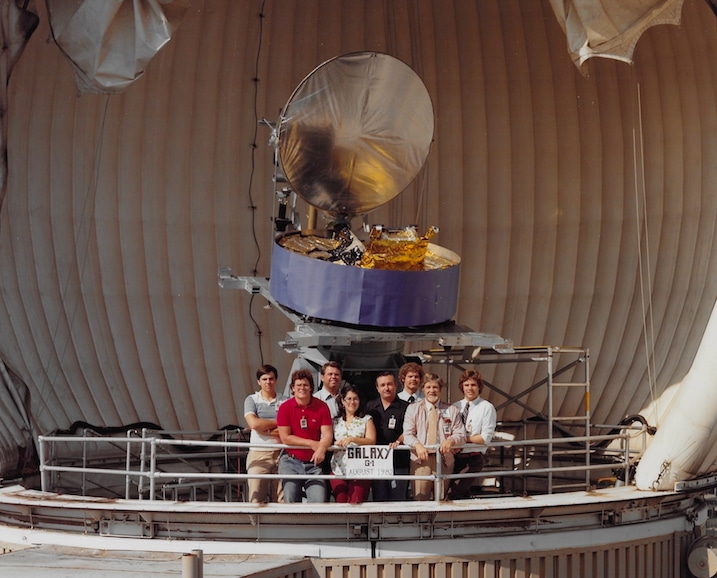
263	490
423	489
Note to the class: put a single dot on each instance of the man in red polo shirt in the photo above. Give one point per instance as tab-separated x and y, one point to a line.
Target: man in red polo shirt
304	421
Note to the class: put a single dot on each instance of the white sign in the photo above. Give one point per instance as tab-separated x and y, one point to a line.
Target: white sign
369	461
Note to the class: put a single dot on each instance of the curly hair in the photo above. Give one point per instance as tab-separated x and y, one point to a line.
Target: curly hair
407	368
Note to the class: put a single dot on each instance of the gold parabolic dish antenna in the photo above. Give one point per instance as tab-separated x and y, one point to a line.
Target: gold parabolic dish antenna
355	133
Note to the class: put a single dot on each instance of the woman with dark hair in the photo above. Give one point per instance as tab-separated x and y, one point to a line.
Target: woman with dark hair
352	426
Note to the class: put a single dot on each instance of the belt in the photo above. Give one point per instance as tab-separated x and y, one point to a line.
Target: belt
293	457
470	454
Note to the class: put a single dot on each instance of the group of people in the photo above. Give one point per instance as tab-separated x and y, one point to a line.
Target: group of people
311	423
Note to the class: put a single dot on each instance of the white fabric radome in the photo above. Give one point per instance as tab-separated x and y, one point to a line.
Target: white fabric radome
122	204
610	28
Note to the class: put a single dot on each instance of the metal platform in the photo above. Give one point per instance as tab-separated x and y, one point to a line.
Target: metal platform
76	562
500	525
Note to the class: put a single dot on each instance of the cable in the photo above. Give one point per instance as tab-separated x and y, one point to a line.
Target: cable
645	278
254	145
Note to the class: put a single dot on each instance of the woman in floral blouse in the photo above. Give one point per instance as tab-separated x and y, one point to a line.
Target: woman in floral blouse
352	426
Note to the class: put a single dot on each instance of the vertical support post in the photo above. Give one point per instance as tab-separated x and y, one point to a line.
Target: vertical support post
128	464
52	459
311	218
200	562
152	467
44	476
587	418
626	436
549	358
438	482
227	482
190	565
142	458
84	462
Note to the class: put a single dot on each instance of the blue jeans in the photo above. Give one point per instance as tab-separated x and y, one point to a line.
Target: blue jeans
315	489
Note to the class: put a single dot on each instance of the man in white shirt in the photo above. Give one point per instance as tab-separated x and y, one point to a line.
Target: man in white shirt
331	384
331	378
260	413
411	377
479	417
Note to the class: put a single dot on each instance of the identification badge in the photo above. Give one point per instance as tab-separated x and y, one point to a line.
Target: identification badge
446	422
392	422
304	423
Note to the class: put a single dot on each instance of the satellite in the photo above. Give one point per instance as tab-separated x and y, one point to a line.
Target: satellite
353	135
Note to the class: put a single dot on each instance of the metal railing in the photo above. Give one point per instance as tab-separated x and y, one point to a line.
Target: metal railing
155	461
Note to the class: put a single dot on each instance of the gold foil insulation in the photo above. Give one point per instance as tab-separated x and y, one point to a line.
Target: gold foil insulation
310	245
342	246
395	250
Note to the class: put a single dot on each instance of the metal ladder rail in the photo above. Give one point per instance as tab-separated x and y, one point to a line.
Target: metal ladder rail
553	419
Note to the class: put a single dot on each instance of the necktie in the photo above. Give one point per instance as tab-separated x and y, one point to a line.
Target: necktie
464	413
432	427
411	399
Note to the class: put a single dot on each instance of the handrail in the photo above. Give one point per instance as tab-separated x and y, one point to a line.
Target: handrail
148	470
